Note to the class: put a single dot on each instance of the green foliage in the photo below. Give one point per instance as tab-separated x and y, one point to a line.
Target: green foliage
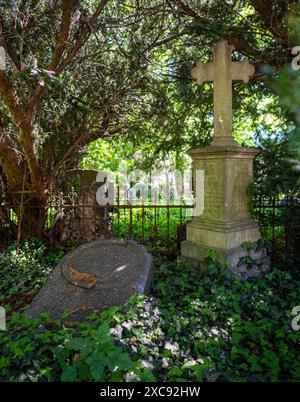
23	273
243	327
274	172
151	225
192	328
171	114
288	87
108	155
27	349
94	356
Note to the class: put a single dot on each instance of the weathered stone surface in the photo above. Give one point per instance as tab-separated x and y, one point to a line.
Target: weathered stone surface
226	221
228	171
86	221
93	277
259	261
222	72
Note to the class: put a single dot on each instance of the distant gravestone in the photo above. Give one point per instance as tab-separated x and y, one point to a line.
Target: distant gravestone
82	219
93	277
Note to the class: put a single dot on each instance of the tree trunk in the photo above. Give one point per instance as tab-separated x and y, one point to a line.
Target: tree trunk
32	220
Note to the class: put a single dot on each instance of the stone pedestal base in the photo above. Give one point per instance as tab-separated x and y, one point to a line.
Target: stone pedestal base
226	221
242	264
222	235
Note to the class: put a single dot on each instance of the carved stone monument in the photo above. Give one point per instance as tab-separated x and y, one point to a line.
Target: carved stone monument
82	219
226	221
93	277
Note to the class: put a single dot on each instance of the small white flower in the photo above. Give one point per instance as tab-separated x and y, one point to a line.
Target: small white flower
165	362
147	364
128	325
131	377
173	347
134	348
117	331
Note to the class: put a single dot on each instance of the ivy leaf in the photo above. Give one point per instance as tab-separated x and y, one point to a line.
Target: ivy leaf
96	363
69	374
76	343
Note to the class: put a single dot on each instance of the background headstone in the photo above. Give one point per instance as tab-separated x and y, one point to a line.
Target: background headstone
82	219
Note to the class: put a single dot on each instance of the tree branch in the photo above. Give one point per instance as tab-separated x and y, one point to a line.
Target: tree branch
83	37
9	47
63	35
58	50
272	18
13	102
23	121
11	161
81	140
188	10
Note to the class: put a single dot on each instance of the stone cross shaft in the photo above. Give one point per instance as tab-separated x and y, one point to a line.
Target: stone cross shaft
222	72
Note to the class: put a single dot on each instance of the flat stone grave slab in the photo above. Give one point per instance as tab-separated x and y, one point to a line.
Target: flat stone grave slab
94	277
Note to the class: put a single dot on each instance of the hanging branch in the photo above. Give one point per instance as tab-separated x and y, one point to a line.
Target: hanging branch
21	212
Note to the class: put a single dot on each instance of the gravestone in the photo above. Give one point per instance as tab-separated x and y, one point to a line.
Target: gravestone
93	277
82	219
226	221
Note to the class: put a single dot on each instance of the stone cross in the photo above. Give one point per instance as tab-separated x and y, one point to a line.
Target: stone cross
222	72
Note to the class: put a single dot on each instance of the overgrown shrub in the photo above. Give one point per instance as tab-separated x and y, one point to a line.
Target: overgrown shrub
23	273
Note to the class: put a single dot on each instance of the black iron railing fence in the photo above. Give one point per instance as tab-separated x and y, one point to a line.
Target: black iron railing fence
161	226
279	220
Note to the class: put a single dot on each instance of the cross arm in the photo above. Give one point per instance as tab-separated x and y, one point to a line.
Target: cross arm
242	70
203	73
